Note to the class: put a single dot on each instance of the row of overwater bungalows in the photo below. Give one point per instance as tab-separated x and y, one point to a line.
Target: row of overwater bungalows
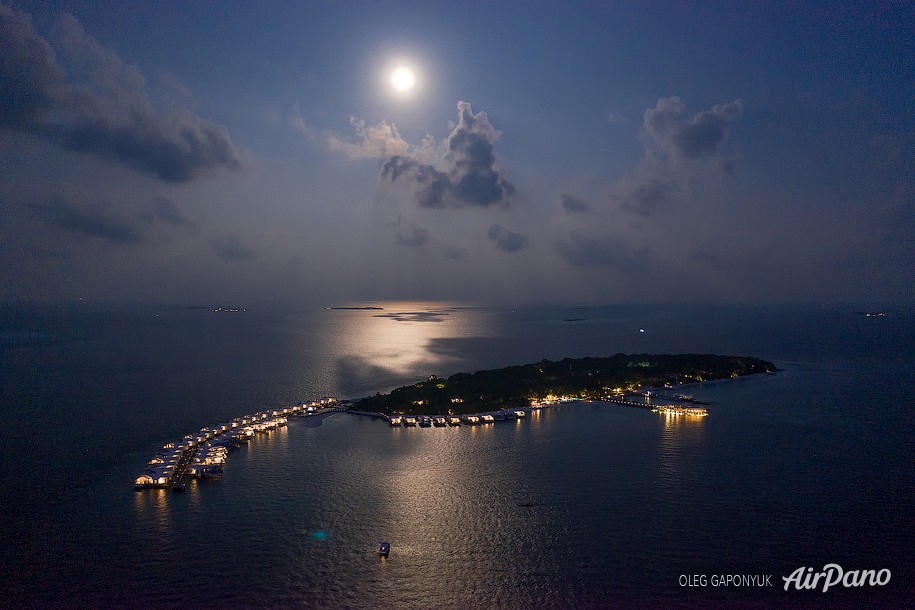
204	454
440	421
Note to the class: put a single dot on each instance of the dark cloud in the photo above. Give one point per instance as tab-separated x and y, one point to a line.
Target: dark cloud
646	196
109	113
98	219
230	247
469	175
507	241
454	253
689	139
166	210
607	251
573	204
412	235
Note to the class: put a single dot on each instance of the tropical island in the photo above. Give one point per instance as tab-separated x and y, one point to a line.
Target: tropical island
584	378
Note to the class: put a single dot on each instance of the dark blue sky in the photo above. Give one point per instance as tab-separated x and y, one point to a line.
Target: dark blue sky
605	152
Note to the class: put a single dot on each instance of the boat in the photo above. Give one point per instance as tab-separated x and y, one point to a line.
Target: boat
384	549
438	421
520	413
454	421
395	420
488	419
425	421
409	421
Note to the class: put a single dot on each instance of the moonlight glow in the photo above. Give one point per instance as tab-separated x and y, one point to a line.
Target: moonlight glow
403	79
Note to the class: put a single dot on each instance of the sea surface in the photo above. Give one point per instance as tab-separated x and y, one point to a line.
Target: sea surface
586	505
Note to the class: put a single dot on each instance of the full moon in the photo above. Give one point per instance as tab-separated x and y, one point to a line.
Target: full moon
403	79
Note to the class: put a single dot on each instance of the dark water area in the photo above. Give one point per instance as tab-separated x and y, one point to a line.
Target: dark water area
583	506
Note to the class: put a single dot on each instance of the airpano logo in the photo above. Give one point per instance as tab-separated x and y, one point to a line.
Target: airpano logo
832	575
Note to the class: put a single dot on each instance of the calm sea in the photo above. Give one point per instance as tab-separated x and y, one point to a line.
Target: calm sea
583	506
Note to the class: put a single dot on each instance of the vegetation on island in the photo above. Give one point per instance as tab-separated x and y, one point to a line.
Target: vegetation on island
585	378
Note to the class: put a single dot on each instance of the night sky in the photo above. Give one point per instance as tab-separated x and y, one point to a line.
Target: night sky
235	153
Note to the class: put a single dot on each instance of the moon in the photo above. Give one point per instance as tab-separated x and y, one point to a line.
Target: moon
403	79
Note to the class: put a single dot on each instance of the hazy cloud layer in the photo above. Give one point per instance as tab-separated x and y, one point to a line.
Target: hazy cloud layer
572	204
505	240
106	113
646	195
410	234
602	251
231	247
467	173
166	210
100	219
121	223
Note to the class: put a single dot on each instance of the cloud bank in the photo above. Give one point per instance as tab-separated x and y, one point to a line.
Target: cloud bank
108	113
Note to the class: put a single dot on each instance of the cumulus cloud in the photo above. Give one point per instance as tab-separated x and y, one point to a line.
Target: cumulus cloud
231	247
107	112
678	146
373	141
572	204
691	138
100	219
507	241
467	174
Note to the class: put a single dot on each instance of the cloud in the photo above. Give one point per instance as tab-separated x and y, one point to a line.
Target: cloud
374	141
507	241
466	174
454	252
410	234
689	139
572	204
163	208
108	113
100	219
117	223
606	251
644	197
230	247
678	150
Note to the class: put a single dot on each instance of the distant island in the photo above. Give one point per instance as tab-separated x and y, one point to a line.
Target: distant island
585	378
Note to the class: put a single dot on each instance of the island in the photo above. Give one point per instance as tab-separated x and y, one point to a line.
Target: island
582	378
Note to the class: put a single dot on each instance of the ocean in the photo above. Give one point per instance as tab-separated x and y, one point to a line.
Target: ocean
586	505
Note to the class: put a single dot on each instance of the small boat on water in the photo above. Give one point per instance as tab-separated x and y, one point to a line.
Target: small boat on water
488	419
425	421
409	421
454	421
438	421
395	420
384	549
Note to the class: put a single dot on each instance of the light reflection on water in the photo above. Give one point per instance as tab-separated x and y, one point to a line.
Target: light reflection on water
578	506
